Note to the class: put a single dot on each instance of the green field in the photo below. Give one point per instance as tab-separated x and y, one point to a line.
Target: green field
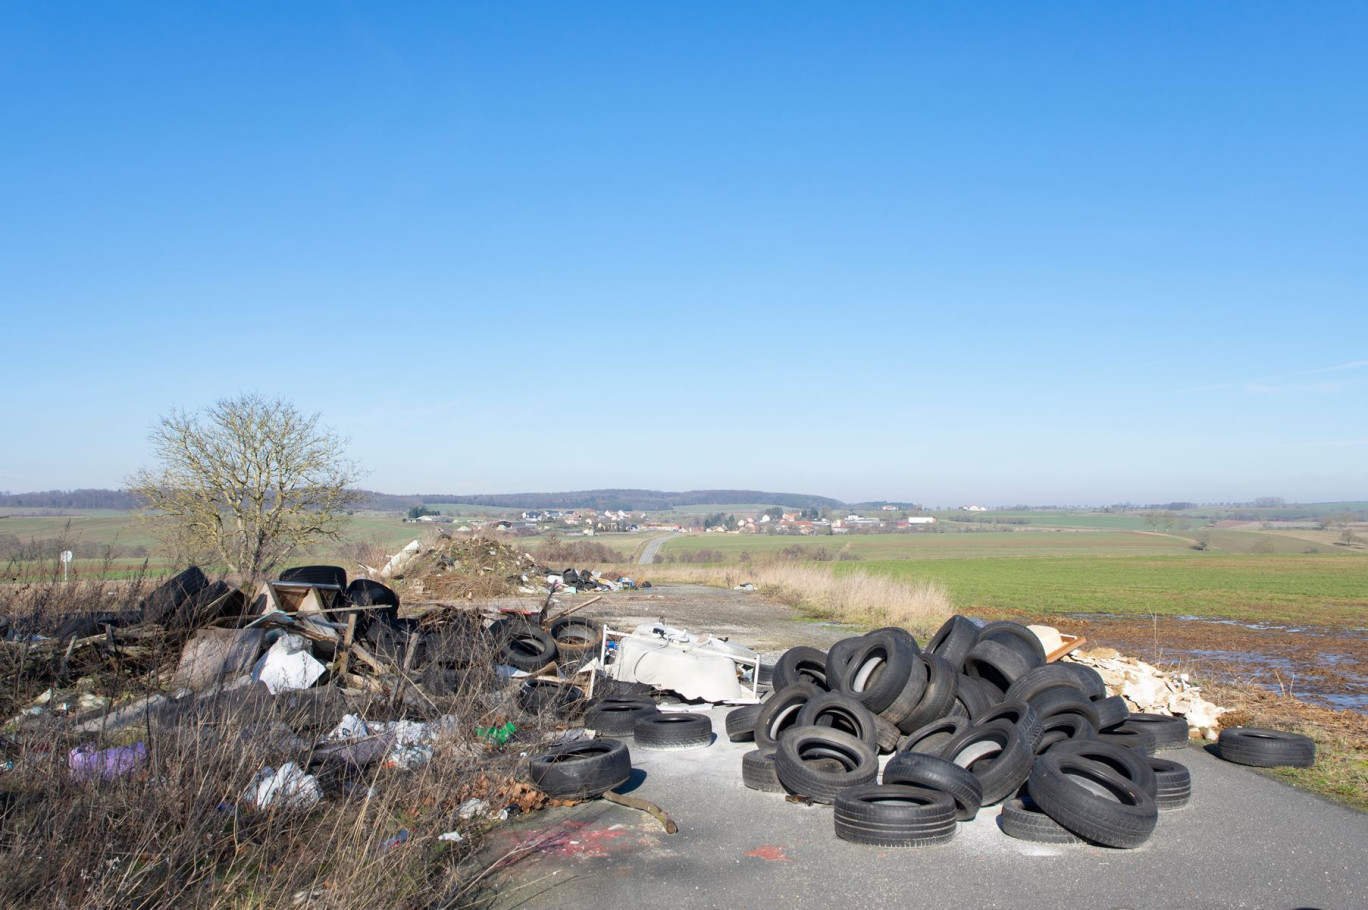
953	544
1299	589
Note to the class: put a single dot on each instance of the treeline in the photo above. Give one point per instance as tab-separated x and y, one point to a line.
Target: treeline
70	499
600	500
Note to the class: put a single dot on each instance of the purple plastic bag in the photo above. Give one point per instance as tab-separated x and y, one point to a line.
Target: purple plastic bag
86	762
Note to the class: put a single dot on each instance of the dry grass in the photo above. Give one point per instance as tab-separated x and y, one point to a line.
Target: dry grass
177	831
1341	769
858	598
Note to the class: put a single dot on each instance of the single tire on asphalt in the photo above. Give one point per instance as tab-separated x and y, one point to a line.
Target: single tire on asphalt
894	815
582	769
757	771
1266	748
1022	819
1169	732
741	723
1172	782
616	718
672	731
1093	801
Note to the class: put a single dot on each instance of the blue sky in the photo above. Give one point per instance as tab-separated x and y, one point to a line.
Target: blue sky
1042	253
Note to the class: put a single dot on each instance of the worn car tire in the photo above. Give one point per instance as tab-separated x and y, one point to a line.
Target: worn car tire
581	770
1060	699
938	697
975	697
757	771
802	664
1017	637
931	738
1022	819
894	815
1066	789
741	723
1138	738
1039	679
819	762
576	639
1112	711
1172	784
936	773
840	712
779	712
523	645
616	718
550	696
1169	732
910	695
995	664
1063	727
672	731
953	640
1130	764
1266	748
878	670
1021	714
839	654
1093	683
997	755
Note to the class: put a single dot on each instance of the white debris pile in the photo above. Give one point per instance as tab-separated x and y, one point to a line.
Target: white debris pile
1149	690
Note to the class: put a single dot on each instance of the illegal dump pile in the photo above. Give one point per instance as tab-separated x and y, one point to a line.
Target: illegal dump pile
305	745
977	718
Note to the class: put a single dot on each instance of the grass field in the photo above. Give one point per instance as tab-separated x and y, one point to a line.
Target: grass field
939	546
1322	590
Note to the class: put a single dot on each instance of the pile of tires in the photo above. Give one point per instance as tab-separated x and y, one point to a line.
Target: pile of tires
976	718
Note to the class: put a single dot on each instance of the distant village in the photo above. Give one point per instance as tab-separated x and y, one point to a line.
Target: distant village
588	522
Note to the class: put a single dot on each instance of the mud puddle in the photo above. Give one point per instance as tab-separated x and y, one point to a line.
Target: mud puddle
1328	667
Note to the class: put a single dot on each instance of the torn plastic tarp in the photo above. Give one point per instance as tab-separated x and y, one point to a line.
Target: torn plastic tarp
287	664
87	762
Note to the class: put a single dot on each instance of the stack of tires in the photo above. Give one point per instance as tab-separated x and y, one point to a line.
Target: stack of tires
976	718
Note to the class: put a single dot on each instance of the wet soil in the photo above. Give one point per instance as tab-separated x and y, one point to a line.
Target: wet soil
1327	667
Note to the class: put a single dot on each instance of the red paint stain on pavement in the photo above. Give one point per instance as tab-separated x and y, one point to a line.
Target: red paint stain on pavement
770	854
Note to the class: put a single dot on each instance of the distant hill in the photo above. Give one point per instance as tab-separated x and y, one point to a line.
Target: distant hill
627	500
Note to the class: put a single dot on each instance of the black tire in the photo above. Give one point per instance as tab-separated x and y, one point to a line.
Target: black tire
1093	684
1063	728
840	712
764	675
839	654
997	755
1172	782
1017	637
878	670
576	638
550	696
900	632
757	771
935	773
932	737
802	664
938	697
1169	732
1021	714
1113	711
910	695
1061	699
779	712
1138	738
1266	748
995	664
616	718
953	640
886	734
975	697
803	767
1022	819
366	593
894	816
581	770
1039	679
523	645
316	575
672	731
1128	763
741	723
1066	789
218	599
163	605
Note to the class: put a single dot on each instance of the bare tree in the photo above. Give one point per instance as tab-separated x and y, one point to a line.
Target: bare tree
245	483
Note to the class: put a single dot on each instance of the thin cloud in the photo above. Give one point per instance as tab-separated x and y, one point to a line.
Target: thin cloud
1278	382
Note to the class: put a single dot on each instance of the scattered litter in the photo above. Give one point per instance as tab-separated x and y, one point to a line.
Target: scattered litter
470	808
287	664
87	762
288	788
451	836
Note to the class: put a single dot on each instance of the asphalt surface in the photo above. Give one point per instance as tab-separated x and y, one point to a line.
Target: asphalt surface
1245	841
653	546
